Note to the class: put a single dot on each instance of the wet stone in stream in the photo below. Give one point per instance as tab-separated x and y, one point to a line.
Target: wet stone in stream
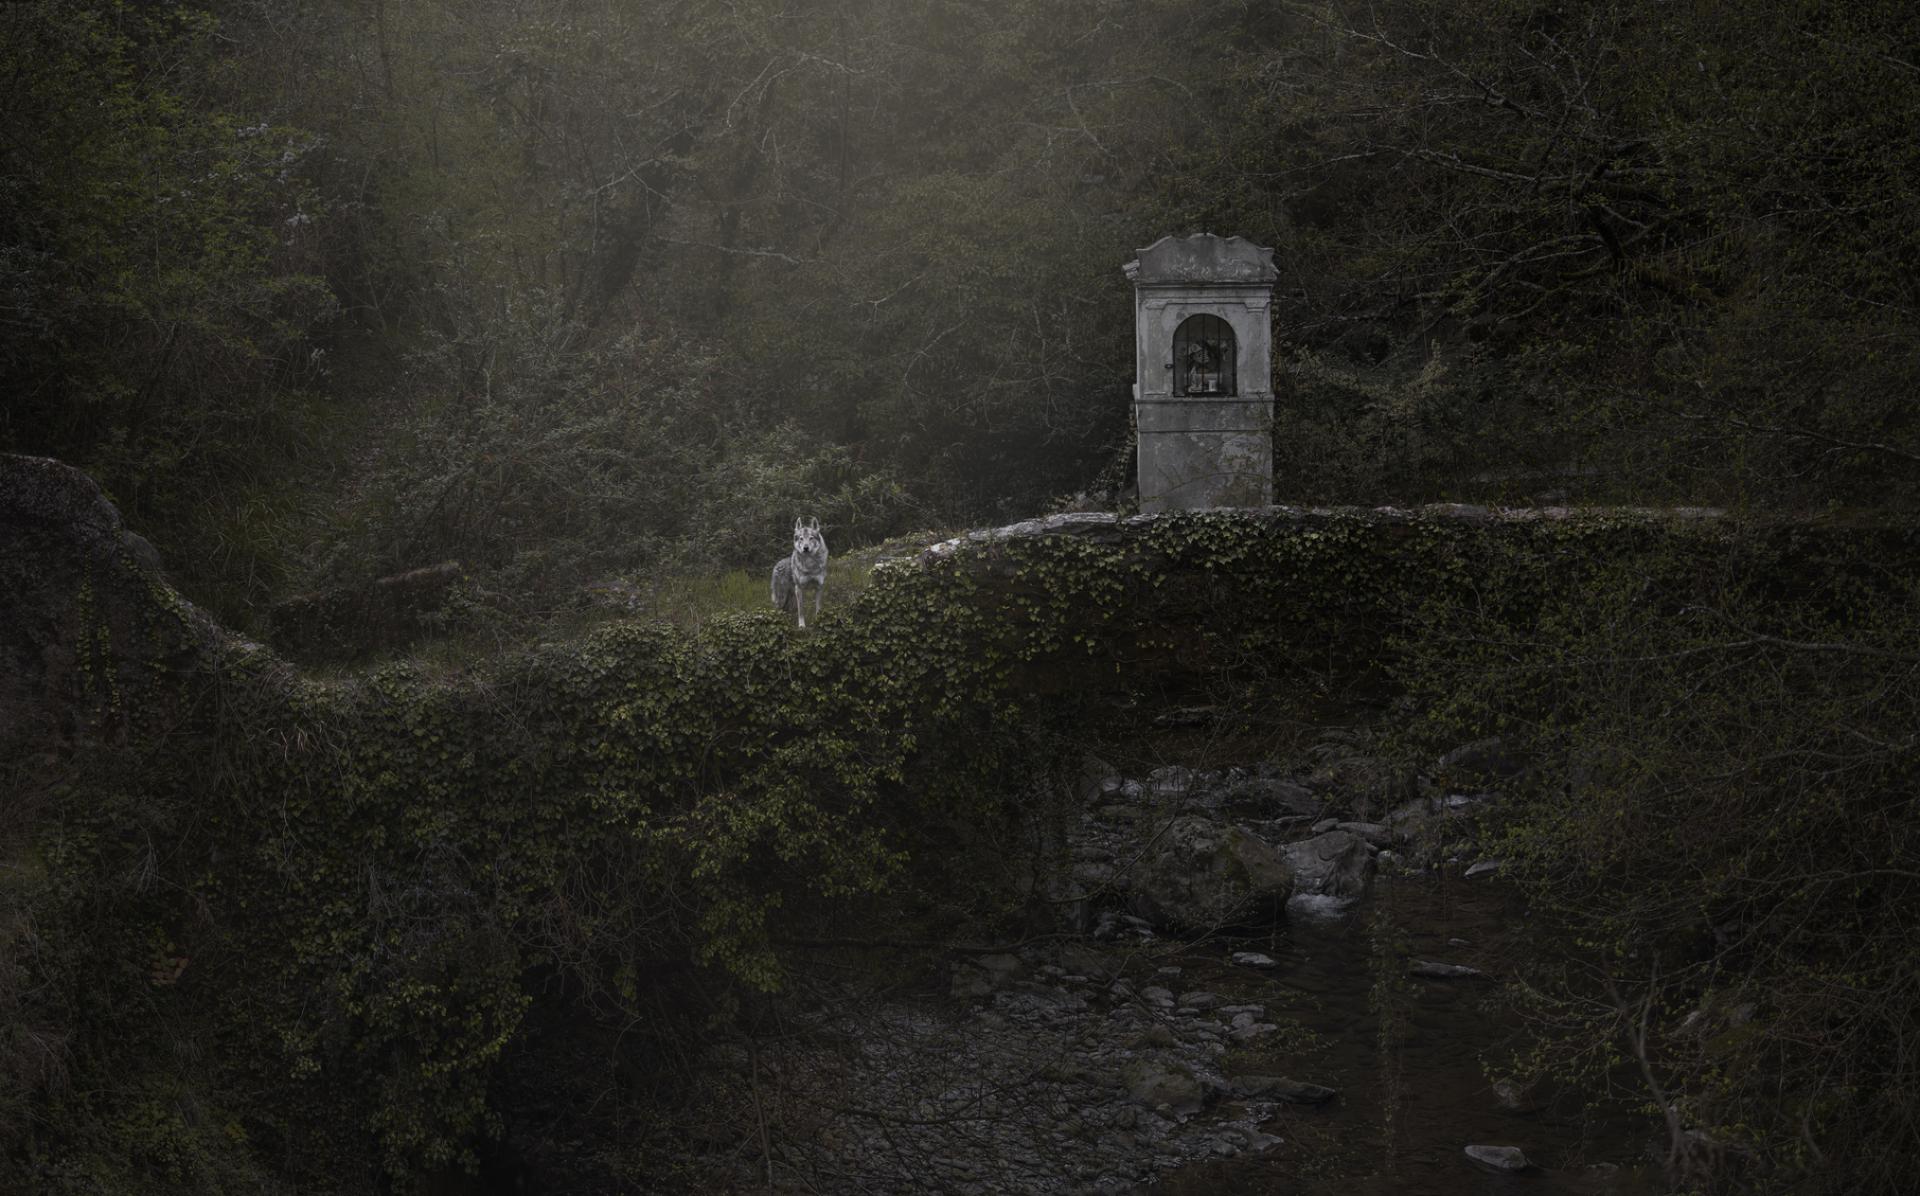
1121	1061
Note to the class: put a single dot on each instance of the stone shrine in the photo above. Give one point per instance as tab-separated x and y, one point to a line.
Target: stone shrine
1203	391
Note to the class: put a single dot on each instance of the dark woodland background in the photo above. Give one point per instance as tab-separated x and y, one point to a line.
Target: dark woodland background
325	290
320	291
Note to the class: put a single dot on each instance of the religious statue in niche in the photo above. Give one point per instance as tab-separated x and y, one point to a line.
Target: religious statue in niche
1203	350
1203	368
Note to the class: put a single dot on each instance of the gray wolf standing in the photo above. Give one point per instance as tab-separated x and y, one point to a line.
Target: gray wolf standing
806	567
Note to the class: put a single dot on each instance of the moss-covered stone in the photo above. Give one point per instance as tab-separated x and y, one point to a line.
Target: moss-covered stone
346	901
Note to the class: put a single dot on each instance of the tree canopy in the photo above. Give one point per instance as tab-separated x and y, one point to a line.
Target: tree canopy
324	290
337	287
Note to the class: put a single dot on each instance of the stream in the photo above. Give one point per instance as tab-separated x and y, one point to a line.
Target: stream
1409	1106
1128	1054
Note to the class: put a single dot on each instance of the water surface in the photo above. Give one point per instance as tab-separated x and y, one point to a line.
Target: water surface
1411	1098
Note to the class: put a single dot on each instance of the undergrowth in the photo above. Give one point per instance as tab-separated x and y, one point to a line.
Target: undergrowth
289	931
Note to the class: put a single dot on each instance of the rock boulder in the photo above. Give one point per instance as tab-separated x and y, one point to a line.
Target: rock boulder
90	629
1335	864
1200	874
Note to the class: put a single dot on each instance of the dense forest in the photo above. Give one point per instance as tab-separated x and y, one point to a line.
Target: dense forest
324	290
321	291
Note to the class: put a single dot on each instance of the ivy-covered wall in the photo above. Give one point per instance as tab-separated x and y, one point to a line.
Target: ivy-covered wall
260	928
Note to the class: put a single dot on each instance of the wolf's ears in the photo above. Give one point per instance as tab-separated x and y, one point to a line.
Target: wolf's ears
814	523
797	525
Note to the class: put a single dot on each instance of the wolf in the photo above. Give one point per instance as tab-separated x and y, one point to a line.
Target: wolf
806	567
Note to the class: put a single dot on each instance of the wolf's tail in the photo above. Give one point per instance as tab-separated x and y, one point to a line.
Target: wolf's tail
782	589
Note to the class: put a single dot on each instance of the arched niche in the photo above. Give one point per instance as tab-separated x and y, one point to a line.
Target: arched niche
1205	357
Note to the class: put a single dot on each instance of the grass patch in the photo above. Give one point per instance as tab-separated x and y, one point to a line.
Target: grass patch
689	600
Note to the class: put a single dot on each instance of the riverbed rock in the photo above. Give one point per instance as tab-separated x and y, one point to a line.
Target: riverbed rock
1336	864
1373	832
1162	1082
983	974
1281	1088
1484	868
1506	1159
1098	780
1270	797
1202	874
1433	970
1110	926
1176	781
1079	959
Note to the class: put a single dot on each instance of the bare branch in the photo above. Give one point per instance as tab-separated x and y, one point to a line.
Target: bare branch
1746	425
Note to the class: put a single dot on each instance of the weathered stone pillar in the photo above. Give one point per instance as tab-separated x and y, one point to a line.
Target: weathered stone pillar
1203	397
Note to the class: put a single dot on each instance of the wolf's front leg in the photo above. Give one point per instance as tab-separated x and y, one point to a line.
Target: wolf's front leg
819	593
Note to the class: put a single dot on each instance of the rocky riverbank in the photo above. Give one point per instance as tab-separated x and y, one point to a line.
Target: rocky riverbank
1146	1037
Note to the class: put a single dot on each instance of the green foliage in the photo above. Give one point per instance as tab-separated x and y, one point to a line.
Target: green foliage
1596	248
383	864
160	283
378	883
604	286
559	468
1717	817
631	285
565	290
370	879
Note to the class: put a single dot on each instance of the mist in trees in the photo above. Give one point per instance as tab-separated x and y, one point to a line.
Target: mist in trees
324	289
321	290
